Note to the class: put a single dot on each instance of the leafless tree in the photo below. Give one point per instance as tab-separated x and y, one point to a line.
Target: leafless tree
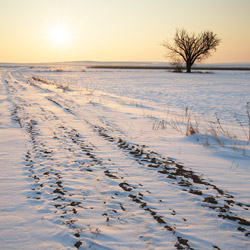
189	47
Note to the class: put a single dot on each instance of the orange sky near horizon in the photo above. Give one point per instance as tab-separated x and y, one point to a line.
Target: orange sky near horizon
117	30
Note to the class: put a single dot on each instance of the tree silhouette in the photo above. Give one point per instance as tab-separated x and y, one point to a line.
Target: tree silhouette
189	47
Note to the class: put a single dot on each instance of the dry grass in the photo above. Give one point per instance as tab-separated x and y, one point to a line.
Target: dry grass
190	128
58	85
58	70
177	122
208	133
245	131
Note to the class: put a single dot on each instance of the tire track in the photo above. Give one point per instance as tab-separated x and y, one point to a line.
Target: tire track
50	184
48	178
221	202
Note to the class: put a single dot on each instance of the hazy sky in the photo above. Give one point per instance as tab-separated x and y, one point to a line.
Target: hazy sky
117	30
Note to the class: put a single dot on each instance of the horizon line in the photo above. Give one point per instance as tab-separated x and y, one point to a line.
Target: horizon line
112	61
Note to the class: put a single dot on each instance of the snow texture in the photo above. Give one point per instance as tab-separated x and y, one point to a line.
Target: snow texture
123	159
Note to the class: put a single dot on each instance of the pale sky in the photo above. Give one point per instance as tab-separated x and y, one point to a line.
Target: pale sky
117	30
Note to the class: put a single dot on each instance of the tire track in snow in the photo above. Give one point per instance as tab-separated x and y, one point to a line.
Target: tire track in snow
180	241
183	178
175	172
137	197
220	202
47	175
49	185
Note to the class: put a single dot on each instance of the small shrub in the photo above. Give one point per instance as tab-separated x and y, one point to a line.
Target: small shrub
58	70
177	66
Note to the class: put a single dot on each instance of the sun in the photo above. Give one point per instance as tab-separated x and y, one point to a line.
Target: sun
59	35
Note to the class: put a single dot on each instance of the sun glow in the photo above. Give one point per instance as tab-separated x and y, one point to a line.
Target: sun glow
60	35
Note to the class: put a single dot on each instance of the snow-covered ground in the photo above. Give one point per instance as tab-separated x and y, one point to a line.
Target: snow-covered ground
123	159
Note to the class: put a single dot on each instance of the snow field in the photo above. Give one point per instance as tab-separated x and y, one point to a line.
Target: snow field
98	175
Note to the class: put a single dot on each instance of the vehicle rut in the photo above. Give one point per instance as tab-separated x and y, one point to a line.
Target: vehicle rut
61	151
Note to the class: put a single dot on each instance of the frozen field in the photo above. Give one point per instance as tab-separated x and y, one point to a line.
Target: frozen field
123	159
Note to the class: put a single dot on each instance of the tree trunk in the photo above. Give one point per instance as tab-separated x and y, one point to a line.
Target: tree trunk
189	65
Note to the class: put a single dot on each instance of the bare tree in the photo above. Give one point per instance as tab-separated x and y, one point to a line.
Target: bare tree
189	47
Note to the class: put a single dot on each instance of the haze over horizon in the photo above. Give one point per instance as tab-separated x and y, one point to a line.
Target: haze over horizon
117	30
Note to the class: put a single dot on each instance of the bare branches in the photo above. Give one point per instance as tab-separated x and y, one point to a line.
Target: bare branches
190	47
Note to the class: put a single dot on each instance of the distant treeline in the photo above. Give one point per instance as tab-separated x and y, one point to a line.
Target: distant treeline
164	67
